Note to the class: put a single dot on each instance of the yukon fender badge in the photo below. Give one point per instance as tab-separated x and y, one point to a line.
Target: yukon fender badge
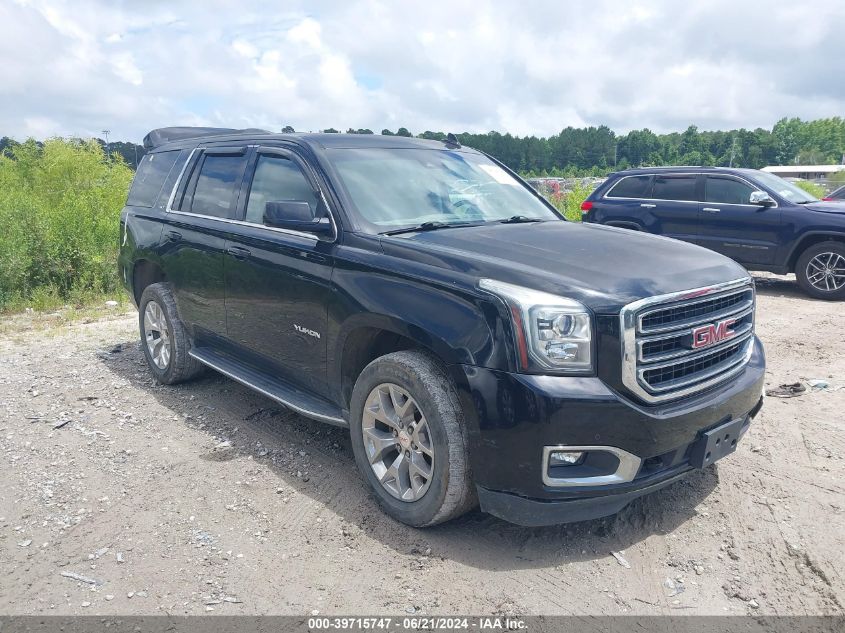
305	330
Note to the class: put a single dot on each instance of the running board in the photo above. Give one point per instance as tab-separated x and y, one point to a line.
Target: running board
281	391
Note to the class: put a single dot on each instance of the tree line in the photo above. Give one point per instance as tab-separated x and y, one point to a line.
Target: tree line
599	150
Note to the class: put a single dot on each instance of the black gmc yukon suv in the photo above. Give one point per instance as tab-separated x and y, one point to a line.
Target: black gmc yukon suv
480	349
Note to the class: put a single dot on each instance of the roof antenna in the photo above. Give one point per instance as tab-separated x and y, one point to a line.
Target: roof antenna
452	141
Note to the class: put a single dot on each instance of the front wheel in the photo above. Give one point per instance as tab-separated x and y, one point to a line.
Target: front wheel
820	271
409	439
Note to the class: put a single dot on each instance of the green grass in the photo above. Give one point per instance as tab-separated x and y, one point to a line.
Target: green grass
45	314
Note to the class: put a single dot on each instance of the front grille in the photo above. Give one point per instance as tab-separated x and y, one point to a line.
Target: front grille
678	371
683	343
670	316
662	346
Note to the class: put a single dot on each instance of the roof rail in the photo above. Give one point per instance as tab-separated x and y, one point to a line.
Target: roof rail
163	135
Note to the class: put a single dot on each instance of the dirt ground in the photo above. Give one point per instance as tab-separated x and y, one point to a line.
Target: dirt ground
119	496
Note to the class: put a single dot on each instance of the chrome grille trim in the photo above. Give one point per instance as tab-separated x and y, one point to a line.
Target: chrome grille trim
716	369
714	316
635	364
746	327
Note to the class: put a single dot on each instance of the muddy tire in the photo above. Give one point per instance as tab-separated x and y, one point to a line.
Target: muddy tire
410	440
164	338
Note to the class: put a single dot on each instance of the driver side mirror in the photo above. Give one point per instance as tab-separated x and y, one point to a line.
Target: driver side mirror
295	215
762	198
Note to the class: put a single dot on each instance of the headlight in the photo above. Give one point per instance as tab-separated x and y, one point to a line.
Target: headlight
552	332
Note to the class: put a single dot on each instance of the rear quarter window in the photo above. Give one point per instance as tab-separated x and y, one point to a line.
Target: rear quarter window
149	179
631	187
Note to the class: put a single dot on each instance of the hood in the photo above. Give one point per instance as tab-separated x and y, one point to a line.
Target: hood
602	267
826	207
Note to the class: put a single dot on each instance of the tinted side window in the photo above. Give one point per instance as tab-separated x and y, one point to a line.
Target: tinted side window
674	188
631	187
217	185
277	179
726	191
151	174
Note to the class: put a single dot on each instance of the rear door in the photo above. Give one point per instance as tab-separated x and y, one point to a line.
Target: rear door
674	206
193	241
278	282
728	224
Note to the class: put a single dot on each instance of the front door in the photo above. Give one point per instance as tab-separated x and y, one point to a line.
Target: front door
728	224
278	281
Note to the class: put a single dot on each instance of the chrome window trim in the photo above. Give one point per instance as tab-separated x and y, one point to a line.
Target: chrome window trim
628	322
169	207
629	466
607	196
273	229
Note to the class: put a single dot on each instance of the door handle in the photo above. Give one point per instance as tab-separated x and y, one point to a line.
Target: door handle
237	252
647	206
173	236
711	209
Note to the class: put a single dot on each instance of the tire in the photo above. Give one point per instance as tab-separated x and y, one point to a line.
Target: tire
810	267
168	360
433	420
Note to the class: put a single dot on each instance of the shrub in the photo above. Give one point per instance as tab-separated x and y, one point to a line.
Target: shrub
812	188
59	209
568	203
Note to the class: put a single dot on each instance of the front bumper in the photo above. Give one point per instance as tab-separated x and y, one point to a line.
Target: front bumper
513	417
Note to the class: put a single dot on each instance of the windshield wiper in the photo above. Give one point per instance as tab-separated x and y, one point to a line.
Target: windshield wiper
806	201
429	226
520	219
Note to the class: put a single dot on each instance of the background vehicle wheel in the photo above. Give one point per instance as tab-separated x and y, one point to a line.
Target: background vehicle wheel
820	271
164	339
409	439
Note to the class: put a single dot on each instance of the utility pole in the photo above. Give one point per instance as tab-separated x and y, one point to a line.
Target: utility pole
108	151
733	151
135	148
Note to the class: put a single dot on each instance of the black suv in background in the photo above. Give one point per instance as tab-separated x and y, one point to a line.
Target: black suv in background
480	349
756	218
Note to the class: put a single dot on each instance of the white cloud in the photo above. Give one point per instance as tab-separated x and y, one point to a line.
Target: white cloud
76	67
123	65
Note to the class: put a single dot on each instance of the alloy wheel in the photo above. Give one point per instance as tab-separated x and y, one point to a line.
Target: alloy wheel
826	271
157	335
398	442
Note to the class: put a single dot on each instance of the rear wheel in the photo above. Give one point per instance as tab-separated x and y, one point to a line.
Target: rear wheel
164	338
409	439
820	271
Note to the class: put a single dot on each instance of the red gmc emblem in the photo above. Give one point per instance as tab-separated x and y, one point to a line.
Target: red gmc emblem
713	333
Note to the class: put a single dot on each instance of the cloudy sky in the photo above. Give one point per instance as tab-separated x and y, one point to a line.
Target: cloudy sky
77	67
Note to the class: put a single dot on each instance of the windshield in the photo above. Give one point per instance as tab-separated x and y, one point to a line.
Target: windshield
784	189
397	188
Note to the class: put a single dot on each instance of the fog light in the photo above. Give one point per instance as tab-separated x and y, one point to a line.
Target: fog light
566	458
